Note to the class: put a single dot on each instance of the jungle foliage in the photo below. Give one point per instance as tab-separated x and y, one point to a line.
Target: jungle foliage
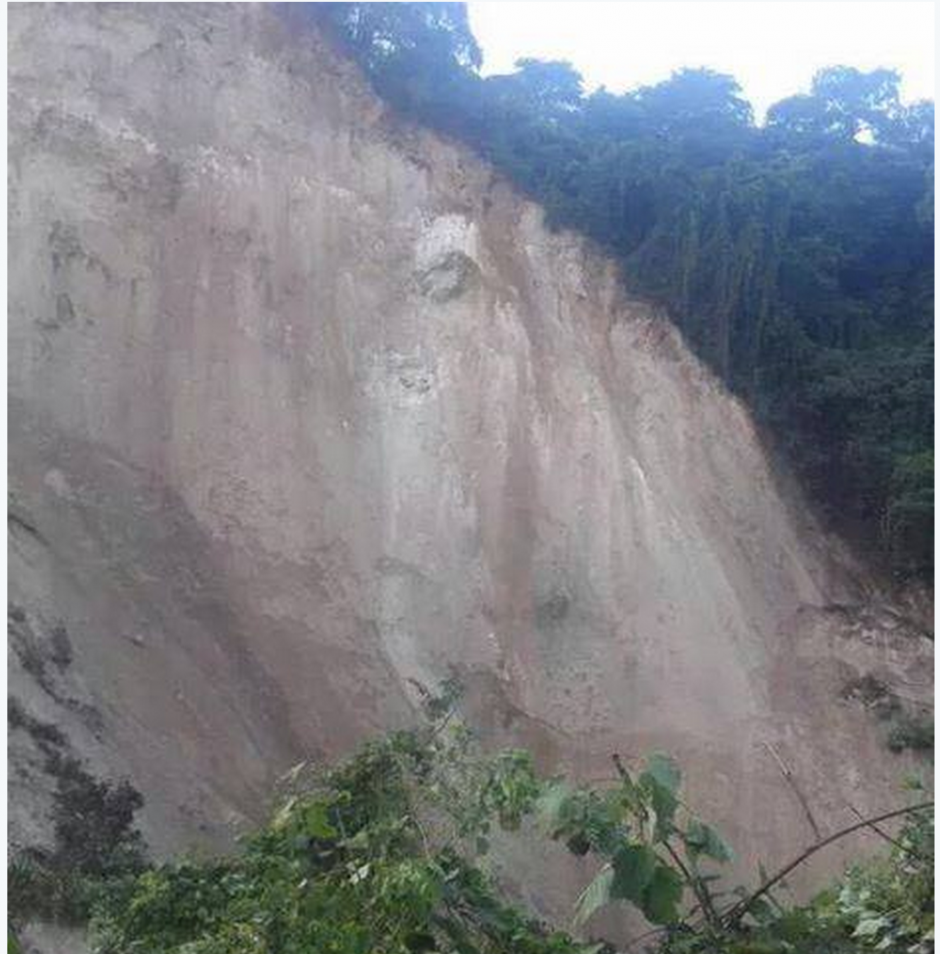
389	853
796	256
96	848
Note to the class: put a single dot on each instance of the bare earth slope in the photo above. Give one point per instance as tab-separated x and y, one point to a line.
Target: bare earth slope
304	405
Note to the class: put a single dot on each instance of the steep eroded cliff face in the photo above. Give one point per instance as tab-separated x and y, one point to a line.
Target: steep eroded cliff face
305	404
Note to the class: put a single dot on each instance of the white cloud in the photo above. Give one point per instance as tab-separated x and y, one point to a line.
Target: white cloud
772	47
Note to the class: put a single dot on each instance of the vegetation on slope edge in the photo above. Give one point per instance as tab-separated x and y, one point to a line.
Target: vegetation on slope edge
796	256
388	854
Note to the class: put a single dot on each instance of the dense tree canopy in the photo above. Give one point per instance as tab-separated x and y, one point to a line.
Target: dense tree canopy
797	256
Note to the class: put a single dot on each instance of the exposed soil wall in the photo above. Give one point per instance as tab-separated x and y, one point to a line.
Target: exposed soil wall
305	404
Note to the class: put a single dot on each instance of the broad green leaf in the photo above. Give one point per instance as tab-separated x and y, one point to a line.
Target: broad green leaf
663	806
664	770
595	895
695	838
662	896
702	839
633	867
660	781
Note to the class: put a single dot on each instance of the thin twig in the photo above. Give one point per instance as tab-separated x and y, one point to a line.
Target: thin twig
699	889
685	922
644	936
880	831
439	728
740	909
791	781
618	763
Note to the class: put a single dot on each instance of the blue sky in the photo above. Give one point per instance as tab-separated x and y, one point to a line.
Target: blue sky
773	47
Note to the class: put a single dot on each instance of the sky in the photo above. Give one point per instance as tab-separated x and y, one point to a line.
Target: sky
772	47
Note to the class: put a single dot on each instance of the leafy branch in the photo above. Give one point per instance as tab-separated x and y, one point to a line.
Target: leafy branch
739	910
382	853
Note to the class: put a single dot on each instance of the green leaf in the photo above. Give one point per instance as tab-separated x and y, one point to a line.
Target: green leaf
633	868
664	805
595	895
662	896
317	822
660	781
664	770
702	839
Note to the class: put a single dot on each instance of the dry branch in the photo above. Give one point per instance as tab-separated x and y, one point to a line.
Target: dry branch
740	909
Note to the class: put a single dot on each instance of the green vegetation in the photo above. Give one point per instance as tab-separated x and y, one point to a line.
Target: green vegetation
388	854
911	732
797	256
96	845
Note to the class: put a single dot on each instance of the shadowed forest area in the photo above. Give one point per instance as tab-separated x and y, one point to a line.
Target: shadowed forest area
796	256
